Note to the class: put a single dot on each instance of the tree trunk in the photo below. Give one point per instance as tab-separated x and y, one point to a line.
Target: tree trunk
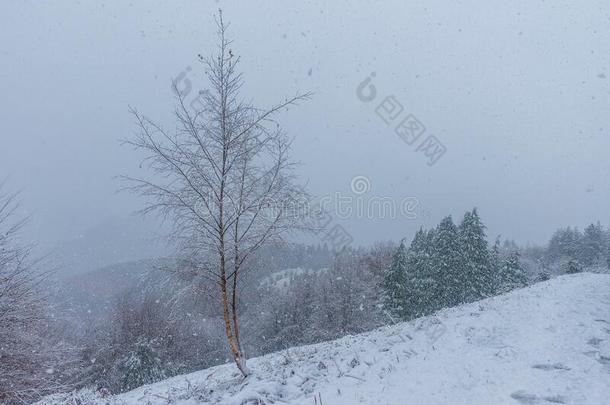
234	311
234	347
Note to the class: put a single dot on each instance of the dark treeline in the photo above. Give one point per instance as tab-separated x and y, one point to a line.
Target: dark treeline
447	266
569	246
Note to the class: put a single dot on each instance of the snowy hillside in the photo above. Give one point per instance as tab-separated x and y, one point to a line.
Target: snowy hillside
546	344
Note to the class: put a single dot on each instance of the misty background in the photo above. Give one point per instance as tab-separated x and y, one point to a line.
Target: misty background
518	92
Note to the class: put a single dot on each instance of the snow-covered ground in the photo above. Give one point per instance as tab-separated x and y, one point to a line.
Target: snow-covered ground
282	279
546	344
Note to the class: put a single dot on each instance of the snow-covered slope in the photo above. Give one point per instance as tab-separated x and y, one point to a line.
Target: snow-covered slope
546	344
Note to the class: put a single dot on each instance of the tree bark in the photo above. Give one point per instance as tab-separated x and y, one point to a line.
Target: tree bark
234	347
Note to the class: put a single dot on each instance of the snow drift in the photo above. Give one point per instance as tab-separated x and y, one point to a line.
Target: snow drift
545	344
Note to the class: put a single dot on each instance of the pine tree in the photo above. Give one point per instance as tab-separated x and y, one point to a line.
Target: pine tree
447	265
420	283
565	243
495	263
608	257
141	366
512	274
573	267
477	276
394	284
592	250
542	276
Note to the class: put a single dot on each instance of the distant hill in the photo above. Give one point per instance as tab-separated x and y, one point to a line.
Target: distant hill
117	240
94	293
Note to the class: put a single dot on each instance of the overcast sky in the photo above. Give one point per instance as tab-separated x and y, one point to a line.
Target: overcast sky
517	91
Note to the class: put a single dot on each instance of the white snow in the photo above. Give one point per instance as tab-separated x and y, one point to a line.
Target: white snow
281	279
545	344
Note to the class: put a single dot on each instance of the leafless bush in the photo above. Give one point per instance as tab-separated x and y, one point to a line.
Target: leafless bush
31	363
149	336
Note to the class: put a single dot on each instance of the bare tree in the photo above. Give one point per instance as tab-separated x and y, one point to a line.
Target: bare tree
19	304
30	366
226	180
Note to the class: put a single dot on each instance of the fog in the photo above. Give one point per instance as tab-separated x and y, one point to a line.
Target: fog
517	92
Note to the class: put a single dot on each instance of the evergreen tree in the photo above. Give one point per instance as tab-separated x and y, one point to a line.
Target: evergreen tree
573	267
592	250
477	276
565	243
608	256
495	263
447	265
141	366
394	284
542	276
420	283
512	274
